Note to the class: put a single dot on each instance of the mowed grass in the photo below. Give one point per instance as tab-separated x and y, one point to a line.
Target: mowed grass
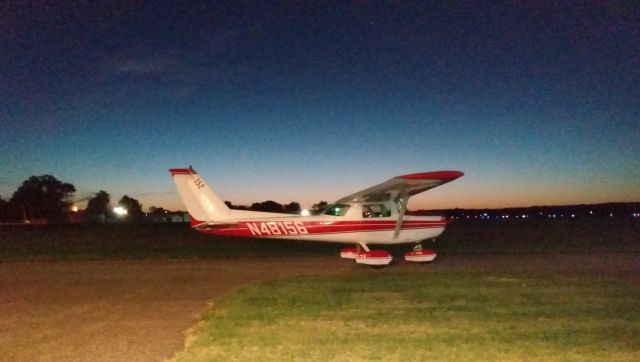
447	314
474	237
138	241
562	306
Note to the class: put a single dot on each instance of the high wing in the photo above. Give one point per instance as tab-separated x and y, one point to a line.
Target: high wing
398	186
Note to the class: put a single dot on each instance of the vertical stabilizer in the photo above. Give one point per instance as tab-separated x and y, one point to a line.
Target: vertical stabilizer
201	202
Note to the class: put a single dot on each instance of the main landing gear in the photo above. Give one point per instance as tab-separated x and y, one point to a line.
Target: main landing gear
419	255
362	255
380	258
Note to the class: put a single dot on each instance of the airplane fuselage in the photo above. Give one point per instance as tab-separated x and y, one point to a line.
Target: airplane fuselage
334	229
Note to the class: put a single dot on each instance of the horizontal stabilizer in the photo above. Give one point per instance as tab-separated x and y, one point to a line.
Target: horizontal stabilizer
213	225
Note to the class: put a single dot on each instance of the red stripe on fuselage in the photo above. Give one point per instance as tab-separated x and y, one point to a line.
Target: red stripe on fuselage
302	228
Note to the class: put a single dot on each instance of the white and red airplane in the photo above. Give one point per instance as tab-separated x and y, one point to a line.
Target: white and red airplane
375	215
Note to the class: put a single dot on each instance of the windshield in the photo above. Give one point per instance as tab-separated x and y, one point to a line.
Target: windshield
336	210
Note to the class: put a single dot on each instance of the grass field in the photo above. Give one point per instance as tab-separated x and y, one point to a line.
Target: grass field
522	290
508	310
142	241
123	241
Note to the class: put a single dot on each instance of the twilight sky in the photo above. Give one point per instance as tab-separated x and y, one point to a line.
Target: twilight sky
537	102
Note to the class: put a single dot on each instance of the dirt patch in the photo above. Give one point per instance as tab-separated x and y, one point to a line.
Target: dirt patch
140	310
121	310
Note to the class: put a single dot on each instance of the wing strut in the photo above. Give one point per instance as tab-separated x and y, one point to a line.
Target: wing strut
403	207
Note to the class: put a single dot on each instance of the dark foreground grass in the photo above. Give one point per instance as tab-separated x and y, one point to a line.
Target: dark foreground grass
126	241
584	234
137	241
446	314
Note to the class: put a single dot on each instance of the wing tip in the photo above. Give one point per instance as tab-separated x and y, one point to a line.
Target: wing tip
434	175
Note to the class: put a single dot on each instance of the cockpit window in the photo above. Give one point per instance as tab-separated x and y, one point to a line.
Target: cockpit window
336	210
375	210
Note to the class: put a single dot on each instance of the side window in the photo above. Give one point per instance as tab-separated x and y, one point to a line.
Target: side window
375	210
336	210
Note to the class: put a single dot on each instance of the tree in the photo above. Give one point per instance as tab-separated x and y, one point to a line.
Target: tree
43	197
4	210
235	207
157	214
156	210
320	205
292	208
267	206
99	208
133	207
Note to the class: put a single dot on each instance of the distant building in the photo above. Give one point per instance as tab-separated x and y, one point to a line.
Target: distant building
77	217
167	216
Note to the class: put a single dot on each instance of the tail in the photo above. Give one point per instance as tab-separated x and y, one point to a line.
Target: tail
202	203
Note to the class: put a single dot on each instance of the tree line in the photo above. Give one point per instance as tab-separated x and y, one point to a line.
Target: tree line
272	206
47	199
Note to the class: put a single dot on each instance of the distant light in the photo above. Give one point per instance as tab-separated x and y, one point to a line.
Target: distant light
305	212
74	209
573	215
591	212
610	215
120	211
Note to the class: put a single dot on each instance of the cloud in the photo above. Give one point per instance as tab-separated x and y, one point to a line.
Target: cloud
145	65
177	71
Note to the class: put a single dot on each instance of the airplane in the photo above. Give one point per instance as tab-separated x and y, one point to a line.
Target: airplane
375	215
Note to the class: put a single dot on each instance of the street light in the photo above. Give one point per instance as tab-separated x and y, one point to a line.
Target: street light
120	211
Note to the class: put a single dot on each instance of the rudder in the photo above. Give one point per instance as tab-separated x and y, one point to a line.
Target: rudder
201	202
